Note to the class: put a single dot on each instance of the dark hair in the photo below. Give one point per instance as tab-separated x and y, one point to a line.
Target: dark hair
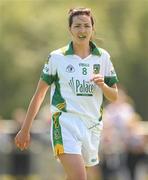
79	11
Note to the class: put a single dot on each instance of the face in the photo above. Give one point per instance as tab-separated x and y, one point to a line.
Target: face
81	29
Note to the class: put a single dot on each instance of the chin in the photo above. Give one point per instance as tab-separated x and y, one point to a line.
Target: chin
83	41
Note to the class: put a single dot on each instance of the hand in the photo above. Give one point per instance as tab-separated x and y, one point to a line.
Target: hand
98	79
22	139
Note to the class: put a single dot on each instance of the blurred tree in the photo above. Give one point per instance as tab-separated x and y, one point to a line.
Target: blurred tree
29	30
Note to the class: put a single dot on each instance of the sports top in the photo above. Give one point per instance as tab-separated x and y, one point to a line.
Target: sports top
71	89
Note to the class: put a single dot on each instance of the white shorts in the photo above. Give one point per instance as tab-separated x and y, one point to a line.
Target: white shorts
70	135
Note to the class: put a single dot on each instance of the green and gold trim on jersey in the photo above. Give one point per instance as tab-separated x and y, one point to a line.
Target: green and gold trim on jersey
49	79
57	100
110	80
68	50
57	134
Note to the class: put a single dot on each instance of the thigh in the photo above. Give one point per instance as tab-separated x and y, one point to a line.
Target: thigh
65	134
90	148
93	173
74	166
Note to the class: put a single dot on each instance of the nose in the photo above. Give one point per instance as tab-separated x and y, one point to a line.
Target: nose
82	29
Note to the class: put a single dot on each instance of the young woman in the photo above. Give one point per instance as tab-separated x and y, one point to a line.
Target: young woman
78	76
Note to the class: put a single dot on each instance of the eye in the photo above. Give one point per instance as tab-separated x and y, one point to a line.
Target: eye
87	26
77	26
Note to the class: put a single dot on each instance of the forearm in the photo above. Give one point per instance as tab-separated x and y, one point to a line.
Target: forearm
111	93
35	104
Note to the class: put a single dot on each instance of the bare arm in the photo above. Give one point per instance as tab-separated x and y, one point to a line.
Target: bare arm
35	104
22	139
111	93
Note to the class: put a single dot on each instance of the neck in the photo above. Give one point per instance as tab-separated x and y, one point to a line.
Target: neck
81	50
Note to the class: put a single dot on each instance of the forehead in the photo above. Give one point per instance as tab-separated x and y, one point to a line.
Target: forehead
81	19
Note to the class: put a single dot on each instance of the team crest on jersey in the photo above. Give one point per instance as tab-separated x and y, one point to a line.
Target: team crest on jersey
70	69
96	68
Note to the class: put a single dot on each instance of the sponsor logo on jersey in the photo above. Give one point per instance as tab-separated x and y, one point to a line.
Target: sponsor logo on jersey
82	88
83	65
45	69
70	69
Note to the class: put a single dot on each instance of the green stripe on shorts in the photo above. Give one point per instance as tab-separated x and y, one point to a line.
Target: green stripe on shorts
57	135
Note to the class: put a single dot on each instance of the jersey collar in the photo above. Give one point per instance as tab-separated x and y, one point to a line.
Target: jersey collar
94	49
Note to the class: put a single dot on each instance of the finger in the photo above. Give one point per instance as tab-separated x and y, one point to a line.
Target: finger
94	79
22	148
26	144
15	140
20	145
17	143
98	80
94	76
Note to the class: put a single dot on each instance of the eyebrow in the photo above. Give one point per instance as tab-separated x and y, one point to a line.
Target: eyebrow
81	23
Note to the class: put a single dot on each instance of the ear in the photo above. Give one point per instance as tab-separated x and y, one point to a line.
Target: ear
93	31
93	34
69	28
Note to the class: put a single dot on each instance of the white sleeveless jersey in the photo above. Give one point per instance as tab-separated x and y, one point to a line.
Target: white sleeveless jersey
72	91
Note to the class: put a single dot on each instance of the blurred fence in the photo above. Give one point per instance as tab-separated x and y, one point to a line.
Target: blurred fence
38	163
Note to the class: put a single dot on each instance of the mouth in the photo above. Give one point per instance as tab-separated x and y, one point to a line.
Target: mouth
82	36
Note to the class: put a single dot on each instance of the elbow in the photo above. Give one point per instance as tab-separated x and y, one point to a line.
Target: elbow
111	93
115	97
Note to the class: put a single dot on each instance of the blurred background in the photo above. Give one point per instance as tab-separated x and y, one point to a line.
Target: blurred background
29	30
